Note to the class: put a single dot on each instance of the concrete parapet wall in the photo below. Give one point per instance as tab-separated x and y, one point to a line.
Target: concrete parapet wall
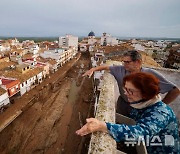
103	142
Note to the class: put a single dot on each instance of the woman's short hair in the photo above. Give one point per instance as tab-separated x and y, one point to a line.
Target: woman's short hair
147	83
135	55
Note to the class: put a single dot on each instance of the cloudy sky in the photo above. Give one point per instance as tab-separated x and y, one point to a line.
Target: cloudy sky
123	18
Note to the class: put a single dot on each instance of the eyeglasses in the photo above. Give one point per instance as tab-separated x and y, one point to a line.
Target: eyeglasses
130	91
127	62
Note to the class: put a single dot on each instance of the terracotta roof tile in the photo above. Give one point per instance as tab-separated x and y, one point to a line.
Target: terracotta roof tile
4	65
21	77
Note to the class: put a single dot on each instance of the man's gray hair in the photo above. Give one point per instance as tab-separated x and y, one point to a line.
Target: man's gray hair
135	55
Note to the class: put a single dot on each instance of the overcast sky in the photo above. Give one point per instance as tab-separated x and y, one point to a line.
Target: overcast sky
124	18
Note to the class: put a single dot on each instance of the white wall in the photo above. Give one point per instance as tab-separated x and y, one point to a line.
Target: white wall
72	41
4	99
39	77
27	85
68	41
138	47
91	41
109	40
49	54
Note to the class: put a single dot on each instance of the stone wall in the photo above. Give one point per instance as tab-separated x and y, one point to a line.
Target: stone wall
103	142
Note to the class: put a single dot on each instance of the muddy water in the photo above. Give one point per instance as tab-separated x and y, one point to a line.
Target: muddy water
70	121
67	114
73	116
80	96
49	125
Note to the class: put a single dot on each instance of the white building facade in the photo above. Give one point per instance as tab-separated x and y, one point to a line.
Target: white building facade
68	41
108	40
4	99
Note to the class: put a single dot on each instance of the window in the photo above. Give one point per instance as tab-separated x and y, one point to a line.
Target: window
12	90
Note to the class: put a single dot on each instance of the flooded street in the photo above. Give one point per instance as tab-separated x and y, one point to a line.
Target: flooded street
49	124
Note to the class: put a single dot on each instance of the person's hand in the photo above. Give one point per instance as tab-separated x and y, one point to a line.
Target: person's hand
91	126
89	73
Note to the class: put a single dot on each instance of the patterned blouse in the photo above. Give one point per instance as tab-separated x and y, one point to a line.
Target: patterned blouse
156	124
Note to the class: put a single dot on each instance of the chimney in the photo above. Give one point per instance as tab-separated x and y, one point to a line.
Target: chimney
20	61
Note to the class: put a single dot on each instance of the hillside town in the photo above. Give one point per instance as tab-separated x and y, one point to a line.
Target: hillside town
29	67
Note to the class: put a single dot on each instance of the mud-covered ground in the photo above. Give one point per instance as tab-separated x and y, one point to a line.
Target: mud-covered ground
49	124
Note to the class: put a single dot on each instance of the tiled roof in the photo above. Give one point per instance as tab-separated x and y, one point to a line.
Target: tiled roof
8	82
108	49
46	60
22	66
52	61
17	50
27	56
40	59
4	65
21	77
3	59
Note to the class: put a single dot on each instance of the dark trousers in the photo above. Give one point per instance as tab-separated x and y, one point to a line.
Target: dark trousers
123	107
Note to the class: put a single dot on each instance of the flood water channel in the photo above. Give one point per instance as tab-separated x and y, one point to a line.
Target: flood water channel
49	124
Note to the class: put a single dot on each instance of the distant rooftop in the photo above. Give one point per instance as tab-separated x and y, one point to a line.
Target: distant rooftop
91	33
